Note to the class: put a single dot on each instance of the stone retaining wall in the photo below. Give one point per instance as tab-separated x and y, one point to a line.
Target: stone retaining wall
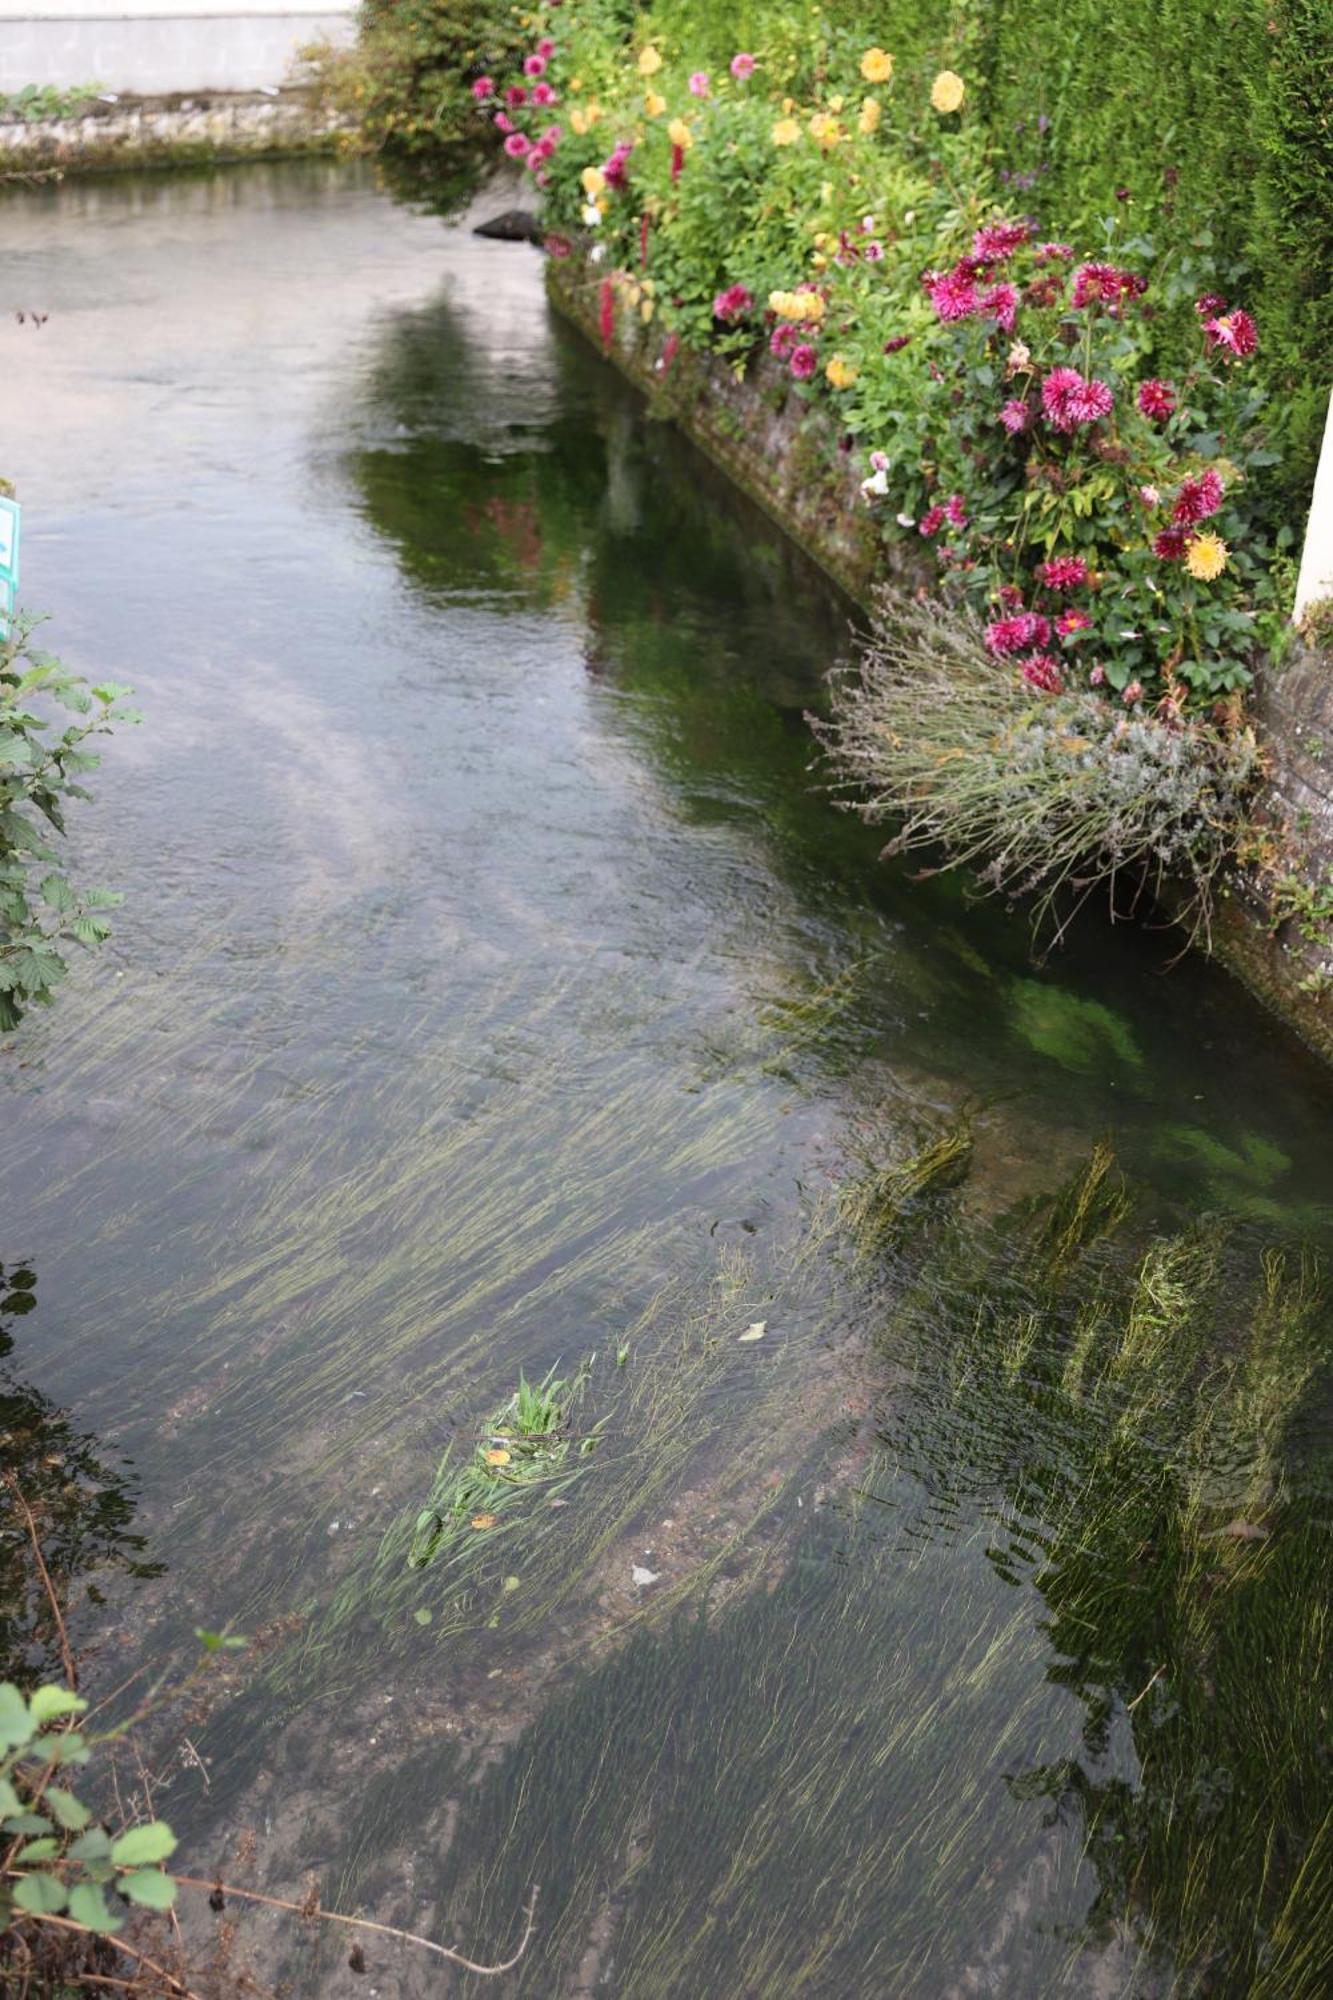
1269	929
179	129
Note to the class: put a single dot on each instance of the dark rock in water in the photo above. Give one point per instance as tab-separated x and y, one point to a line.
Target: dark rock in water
516	225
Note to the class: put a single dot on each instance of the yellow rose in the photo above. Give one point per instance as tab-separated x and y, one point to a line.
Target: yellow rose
812	305
679	133
841	374
947	92
877	65
593	182
825	131
578	121
649	61
786	132
871	113
1206	557
653	104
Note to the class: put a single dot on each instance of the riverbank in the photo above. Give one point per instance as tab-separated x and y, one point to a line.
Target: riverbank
1274	924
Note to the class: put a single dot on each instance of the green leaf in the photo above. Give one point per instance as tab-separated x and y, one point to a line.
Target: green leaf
9	1798
154	1842
56	893
95	1845
28	1822
87	1905
16	1724
40	1895
39	1850
149	1887
65	1808
49	1702
90	930
15	749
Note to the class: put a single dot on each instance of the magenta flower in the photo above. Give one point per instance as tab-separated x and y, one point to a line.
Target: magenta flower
699	84
898	343
997	240
1015	415
956	511
784	338
804	361
1070	401
1063	572
615	168
1210	305
1169	545
542	93
1046	253
546	47
503	122
1070	622
483	87
1001	304
1040	671
733	304
951	293
1198	498
873	252
1133	693
1015	634
1156	399
1105	285
1010	596
931	521
1234	332
515	95
534	66
742	67
517	146
1097	676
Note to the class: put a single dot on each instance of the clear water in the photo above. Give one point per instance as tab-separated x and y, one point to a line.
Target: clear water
496	985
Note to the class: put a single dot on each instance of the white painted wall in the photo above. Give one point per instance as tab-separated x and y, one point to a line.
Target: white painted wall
1316	575
156	46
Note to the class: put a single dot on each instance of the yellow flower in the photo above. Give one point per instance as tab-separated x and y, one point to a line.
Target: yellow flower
871	114
679	133
840	373
497	1457
576	84
819	260
825	131
653	104
836	103
785	133
877	65
593	113
649	61
948	91
1206	557
593	182
646	310
578	121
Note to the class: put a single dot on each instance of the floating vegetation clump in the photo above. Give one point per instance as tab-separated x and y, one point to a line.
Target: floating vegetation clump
875	1208
525	1454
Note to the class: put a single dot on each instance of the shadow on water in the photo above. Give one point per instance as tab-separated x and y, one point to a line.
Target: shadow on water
500	987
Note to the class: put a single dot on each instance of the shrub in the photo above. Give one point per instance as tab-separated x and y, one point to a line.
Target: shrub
1056	796
42	913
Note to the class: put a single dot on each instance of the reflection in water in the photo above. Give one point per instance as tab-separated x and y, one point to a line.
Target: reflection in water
496	985
58	1486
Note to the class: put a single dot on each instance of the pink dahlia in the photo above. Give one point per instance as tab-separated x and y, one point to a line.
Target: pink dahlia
784	337
1046	253
1209	305
1105	285
699	84
732	304
952	293
1040	671
898	343
534	66
742	67
546	48
804	361
996	240
1015	415
483	87
517	146
503	122
1169	545
1133	693
1198	498
615	169
1156	399
1097	676
956	511
1069	400
1070	622
1017	633
1234	332
542	93
1063	572
932	521
1001	304
1010	596
515	95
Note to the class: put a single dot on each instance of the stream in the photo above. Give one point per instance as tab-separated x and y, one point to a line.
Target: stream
498	992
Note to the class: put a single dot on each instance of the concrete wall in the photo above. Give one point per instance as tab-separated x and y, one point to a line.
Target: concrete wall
154	47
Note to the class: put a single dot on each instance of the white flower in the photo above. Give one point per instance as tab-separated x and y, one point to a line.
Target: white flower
877	485
868	224
909	218
907	520
592	215
597	252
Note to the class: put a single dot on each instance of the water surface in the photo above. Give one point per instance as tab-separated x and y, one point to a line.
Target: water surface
495	985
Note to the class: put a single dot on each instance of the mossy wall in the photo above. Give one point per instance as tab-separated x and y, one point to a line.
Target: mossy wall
1268	930
172	131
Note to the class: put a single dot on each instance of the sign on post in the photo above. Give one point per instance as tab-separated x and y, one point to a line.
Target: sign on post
9	559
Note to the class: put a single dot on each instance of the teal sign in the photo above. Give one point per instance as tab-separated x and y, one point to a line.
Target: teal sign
9	559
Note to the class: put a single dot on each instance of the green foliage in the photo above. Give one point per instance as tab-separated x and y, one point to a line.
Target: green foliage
71	1865
37	101
42	764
